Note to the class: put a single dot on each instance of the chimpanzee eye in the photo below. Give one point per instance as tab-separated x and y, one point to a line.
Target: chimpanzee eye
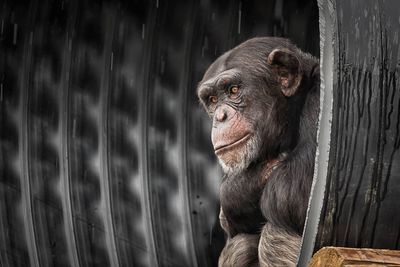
233	91
213	99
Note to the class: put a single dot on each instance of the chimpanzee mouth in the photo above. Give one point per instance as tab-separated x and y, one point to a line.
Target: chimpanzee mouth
226	147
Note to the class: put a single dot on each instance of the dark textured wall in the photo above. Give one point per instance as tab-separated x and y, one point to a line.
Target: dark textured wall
105	158
361	204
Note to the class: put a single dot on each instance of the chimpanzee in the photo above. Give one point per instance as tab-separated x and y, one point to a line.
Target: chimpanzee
263	99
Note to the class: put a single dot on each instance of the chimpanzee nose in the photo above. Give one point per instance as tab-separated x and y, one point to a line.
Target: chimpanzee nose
221	114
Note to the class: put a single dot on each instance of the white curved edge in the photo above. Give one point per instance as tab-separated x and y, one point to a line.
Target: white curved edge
327	28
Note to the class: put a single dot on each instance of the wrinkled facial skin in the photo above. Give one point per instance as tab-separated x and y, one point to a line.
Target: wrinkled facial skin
237	135
234	139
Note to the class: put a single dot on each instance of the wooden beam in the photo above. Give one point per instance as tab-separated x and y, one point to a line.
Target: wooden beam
339	256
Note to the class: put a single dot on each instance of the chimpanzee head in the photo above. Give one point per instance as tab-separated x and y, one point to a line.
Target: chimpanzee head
246	93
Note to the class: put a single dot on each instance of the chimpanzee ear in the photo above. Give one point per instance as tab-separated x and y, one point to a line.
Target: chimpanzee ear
286	66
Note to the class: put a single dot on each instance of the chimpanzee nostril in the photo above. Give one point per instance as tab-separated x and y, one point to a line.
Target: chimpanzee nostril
221	115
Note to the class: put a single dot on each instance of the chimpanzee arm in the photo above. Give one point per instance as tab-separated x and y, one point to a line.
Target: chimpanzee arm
241	250
278	247
285	196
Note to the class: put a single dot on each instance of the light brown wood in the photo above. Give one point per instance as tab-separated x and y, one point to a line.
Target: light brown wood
351	257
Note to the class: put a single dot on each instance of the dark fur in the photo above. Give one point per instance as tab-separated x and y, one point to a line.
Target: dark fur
275	207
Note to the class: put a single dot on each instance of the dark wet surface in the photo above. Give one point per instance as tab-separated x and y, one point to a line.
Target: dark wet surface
362	207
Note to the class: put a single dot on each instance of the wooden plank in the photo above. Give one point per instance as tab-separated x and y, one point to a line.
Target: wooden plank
340	256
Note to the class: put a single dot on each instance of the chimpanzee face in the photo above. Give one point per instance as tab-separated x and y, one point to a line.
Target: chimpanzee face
233	134
246	98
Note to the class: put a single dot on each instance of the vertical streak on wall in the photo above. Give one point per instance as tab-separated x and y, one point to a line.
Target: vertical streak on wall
103	137
24	137
148	32
182	136
233	24
64	131
327	22
4	232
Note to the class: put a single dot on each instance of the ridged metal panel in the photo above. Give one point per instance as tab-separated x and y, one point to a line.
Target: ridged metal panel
105	155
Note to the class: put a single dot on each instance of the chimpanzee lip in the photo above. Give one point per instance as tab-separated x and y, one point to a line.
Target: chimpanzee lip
227	147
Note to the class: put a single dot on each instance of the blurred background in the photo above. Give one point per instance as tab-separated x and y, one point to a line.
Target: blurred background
105	155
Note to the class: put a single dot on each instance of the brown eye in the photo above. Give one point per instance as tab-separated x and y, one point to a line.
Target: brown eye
213	99
233	90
